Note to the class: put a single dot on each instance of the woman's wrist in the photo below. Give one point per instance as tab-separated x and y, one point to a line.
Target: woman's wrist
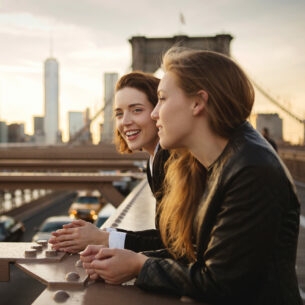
103	238
140	262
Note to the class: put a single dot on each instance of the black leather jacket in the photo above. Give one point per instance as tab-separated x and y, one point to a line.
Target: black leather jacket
246	230
150	239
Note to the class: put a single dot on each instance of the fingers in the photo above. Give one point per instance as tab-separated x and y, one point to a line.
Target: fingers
59	232
115	266
70	240
105	270
94	276
72	249
65	244
63	235
91	250
52	240
71	225
87	264
75	223
68	225
96	262
105	253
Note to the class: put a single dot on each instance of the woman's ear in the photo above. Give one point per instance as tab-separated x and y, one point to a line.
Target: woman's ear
200	102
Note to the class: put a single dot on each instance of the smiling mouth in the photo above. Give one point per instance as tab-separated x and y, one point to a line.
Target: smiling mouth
132	133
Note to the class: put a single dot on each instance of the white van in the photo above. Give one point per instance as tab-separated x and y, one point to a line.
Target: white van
104	214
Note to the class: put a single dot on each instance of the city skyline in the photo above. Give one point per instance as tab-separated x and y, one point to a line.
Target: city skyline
90	38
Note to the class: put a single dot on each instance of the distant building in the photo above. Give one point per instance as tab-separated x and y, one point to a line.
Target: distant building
107	131
79	126
87	135
16	133
273	122
39	134
3	132
76	122
51	101
38	123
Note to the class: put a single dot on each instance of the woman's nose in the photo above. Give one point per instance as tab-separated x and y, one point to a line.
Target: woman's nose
155	113
126	119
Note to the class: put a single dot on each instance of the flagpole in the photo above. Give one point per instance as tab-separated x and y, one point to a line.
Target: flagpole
181	22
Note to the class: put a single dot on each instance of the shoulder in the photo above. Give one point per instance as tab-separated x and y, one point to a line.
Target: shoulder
248	149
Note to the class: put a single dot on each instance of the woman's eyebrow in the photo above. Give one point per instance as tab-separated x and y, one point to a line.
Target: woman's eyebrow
134	105
129	106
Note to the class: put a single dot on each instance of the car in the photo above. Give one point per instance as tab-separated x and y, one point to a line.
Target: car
50	225
104	214
86	207
11	229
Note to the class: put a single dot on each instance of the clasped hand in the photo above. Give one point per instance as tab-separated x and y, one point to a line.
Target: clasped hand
75	236
115	266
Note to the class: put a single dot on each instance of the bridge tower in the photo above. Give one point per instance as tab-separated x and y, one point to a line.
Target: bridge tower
147	52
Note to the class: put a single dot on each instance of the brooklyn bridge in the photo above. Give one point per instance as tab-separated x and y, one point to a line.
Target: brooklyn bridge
73	166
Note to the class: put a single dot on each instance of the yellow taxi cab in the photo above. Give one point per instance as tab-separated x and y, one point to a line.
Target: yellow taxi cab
86	207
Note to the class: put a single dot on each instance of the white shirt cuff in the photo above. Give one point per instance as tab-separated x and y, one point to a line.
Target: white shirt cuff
110	229
117	239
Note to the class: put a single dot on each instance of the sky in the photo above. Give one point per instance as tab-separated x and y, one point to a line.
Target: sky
90	38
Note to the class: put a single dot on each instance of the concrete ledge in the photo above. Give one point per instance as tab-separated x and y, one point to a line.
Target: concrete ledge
136	212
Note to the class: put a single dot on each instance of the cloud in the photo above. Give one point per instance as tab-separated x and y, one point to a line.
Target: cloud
90	37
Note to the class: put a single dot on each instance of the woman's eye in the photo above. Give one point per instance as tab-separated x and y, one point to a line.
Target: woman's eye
118	114
138	110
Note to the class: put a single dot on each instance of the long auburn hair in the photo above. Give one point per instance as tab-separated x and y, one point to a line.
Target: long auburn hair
230	101
144	82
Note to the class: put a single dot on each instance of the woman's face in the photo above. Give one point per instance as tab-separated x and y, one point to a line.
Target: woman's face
173	114
132	111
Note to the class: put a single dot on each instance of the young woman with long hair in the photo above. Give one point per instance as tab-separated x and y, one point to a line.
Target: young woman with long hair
237	243
135	98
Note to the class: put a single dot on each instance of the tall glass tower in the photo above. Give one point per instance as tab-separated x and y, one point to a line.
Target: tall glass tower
110	81
51	101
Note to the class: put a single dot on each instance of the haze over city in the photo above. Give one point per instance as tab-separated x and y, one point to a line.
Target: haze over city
90	38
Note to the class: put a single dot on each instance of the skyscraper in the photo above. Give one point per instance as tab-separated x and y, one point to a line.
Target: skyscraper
39	136
51	101
79	127
3	132
110	80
